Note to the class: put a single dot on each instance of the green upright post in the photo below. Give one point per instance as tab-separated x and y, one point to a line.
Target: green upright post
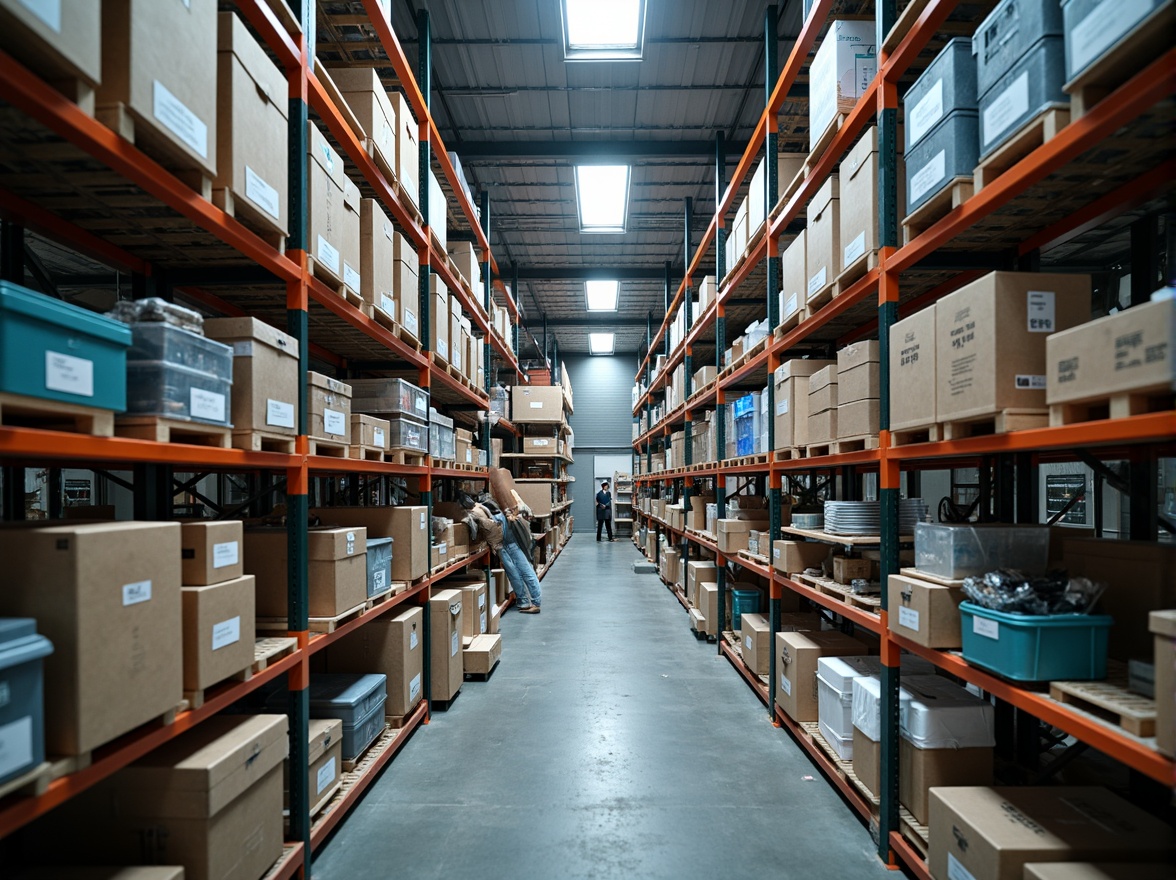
424	81
487	298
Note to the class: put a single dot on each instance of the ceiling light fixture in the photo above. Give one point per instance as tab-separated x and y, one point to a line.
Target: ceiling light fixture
602	295
602	197
600	343
603	30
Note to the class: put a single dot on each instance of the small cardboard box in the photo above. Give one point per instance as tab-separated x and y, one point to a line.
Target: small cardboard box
337	569
540	404
912	371
697	574
540	445
352	249
265	375
408	155
407	526
468	259
857	371
859	203
867	757
857	419
377	258
474	612
796	665
990	340
733	535
218	632
822	390
107	595
159	75
792	557
445	660
482	655
787	167
456	347
329	403
991	833
439	317
394	647
369	431
794	276
845	569
708	607
823	239
325	175
325	757
791	390
927	614
705	376
822	427
368	100
61	41
1163	626
756	642
252	127
211	552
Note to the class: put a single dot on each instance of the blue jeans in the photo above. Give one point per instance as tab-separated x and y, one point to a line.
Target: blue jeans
519	571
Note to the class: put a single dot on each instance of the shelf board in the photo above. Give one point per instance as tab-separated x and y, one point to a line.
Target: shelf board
538	456
846	540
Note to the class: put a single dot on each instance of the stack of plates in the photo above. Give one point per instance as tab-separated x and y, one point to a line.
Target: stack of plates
853	517
812	521
911	511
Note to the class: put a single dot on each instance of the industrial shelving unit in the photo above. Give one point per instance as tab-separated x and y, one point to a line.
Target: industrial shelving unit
622	504
224	268
1032	206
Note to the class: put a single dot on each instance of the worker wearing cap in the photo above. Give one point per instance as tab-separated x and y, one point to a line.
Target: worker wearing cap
604	510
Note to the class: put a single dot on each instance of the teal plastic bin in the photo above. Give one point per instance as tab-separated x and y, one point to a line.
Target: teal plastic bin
54	351
22	696
743	602
1029	647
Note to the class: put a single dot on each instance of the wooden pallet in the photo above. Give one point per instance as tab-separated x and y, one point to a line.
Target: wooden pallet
397	722
748	460
381	598
794	320
374	747
1114	406
326	276
258	222
18	411
264	441
364	452
872	604
953	194
856	270
271	650
1109	700
818	147
791	453
842	445
996	423
907	436
755	557
406	457
930	578
1041	128
30	784
163	430
195	698
915	831
330	448
816	301
120	119
316	624
326	798
65	765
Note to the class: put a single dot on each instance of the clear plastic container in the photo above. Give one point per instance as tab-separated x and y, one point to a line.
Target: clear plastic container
965	550
158	388
405	432
442	442
180	348
384	396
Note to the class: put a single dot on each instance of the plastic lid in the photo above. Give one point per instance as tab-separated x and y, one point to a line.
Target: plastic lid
19	642
14	298
345	689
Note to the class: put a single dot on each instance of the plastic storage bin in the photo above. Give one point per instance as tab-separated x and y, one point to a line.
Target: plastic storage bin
358	700
153	341
835	717
1028	647
950	150
959	551
1034	83
442	441
1006	36
948	84
384	396
379	566
405	432
157	388
743	602
22	686
1094	27
54	351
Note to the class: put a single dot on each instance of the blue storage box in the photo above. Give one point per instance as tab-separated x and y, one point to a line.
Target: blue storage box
54	351
744	405
1034	83
379	566
1029	647
947	85
1094	27
22	696
951	150
743	602
1006	36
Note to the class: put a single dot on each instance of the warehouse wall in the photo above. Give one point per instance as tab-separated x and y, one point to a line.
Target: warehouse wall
603	420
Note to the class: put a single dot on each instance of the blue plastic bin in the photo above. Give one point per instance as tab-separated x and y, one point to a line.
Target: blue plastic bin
743	602
1028	647
22	689
379	566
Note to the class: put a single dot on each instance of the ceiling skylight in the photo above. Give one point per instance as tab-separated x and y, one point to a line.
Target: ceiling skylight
600	343
603	30
602	196
602	295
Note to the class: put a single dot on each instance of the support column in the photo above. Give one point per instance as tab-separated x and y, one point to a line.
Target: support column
487	300
720	345
425	82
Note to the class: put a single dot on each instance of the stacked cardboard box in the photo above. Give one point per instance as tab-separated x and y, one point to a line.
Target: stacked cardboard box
858	377
822	405
791	393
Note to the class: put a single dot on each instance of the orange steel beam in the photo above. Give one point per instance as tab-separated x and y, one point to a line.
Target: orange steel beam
863	457
910	856
318	641
272	32
326	464
853	295
753	258
799	54
396	57
917	37
447	169
850	612
758	687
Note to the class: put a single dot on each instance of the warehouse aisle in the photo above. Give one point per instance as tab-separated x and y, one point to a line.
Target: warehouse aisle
609	743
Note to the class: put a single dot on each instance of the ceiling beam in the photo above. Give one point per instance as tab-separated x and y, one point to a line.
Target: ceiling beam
583	273
619	149
605	323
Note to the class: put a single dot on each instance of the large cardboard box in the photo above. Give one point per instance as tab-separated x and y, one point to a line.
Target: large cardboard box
1163	626
368	100
406	285
733	534
468	259
329	406
792	557
912	371
352	249
474	613
482	655
698	573
823	239
219	629
927	614
924	769
439	318
446	671
858	372
408	155
1132	351
859	199
822	390
394	647
158	75
377	258
867	757
756	642
211	552
265	375
325	758
991	833
537	496
59	40
457	347
796	665
791	390
857	419
794	276
536	404
337	569
407	526
251	155
1100	871
990	340
107	595
325	175
842	70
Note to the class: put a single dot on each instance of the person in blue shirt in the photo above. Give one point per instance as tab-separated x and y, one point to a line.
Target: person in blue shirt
604	510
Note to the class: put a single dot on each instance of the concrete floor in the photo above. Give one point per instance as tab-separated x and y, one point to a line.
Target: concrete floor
609	743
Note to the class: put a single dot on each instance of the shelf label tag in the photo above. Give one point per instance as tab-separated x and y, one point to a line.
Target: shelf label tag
49	11
16	744
982	626
225	554
1039	306
855	248
326	775
1009	106
929	175
334	422
1101	27
926	113
1026	382
816	282
279	414
378	436
414	687
328	255
206	405
908	618
227	632
264	195
956	871
179	120
785	685
133	594
351	277
69	374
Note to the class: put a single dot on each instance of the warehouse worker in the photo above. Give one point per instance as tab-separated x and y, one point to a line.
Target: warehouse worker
491	523
604	510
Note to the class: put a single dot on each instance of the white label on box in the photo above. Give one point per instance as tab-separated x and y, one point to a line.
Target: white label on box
1103	26
1008	107
443	548
493	610
908	618
225	554
378	436
264	195
775	552
49	11
855	248
351	277
956	871
454	644
536	404
747	642
227	632
422	520
785	685
1039	305
929	175
328	255
351	543
782	407
206	405
413	640
380	580
1025	382
243	349
469	456
388	304
334	422
410	320
69	374
982	626
414	687
133	594
326	775
483	621
16	745
182	122
388	231
923	116
816	282
457	357
443	348
790	305
543	442
279	413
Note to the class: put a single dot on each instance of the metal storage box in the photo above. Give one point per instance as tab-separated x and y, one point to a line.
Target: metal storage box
357	700
156	341
157	388
22	696
1094	27
1007	35
948	84
379	566
405	432
54	351
948	151
1033	84
964	550
384	396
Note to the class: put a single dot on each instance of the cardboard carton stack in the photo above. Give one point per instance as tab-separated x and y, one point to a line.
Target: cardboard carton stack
791	392
337	570
858	377
822	406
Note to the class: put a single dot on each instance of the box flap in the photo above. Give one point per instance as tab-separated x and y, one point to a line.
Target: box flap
800	368
318	380
822	378
1162	623
233	36
233	330
324	154
324	733
333	542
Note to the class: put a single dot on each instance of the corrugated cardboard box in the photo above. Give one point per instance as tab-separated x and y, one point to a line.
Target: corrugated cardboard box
990	340
537	496
59	41
408	155
329	405
468	259
139	873
406	284
708	607
265	375
368	100
352	250
845	569
325	757
822	389
219	630
792	557
823	239
912	369
859	198
857	419
407	526
474	613
337	569
325	175
369	431
107	595
482	655
445	661
1099	871
858	371
733	534
377	258
438	219
394	647
842	69
794	277
756	642
539	404
698	573
211	552
927	614
439	317
791	389
787	167
796	666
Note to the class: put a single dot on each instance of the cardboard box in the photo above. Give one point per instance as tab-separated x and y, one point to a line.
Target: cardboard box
377	260
913	377
540	404
792	557
394	647
1163	626
823	240
927	614
59	41
439	317
252	130
456	349
696	518
857	419
991	833
166	872
408	154
159	64
794	276
733	534
540	445
368	101
219	630
846	569
705	376
537	496
990	340
842	70
756	642
325	758
796	665
482	655
211	552
406	285
822	390
265	375
438	219
924	769
1132	351
445	661
468	259
1100	871
867	758
407	526
474	613
369	431
708	608
107	595
697	574
352	249
325	175
787	167
857	371
329	403
859	190
337	569
791	390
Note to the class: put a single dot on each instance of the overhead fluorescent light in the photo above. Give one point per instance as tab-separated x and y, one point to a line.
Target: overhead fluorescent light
602	295
600	343
602	197
603	30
